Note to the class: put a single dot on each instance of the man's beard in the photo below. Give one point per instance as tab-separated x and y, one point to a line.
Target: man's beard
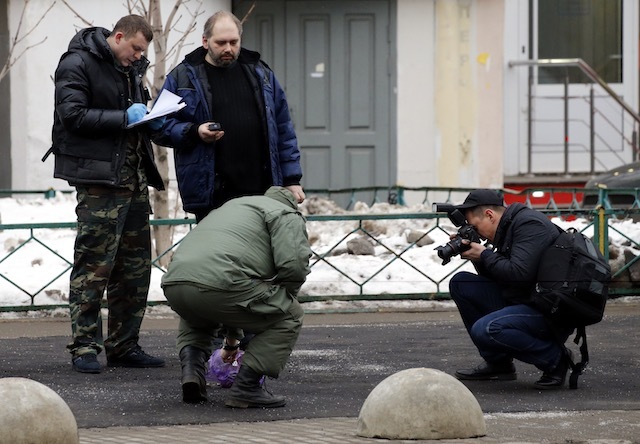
223	63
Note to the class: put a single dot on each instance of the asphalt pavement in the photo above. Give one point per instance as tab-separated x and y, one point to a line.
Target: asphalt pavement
338	360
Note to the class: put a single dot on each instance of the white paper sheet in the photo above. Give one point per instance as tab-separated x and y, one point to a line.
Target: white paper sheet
167	103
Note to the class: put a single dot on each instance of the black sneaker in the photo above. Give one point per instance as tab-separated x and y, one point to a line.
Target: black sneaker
86	363
554	379
136	358
487	371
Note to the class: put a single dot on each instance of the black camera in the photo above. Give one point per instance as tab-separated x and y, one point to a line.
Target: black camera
455	246
215	126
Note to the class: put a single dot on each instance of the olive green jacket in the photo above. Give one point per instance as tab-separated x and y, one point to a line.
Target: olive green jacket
244	244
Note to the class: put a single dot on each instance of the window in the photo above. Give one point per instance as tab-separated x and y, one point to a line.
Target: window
587	29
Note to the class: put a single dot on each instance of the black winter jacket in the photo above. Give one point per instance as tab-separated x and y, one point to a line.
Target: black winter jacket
91	99
522	236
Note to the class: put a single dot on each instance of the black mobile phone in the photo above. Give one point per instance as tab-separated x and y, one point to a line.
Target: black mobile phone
215	126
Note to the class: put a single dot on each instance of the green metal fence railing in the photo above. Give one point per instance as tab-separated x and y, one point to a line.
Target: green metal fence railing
394	273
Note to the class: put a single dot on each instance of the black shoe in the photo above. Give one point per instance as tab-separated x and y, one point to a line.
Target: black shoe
86	363
487	371
554	379
247	392
136	358
194	384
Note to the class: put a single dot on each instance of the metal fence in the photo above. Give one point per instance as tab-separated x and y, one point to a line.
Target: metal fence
403	241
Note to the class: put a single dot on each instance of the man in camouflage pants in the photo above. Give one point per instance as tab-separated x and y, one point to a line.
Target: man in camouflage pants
112	251
99	93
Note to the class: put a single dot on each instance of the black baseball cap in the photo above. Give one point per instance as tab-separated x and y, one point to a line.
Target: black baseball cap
477	198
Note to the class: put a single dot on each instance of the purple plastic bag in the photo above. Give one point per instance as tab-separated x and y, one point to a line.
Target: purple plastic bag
223	373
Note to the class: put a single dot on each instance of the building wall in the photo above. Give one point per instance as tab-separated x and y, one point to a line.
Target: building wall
468	99
490	64
449	88
416	142
450	93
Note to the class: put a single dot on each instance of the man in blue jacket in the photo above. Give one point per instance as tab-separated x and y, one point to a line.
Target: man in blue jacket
494	304
254	146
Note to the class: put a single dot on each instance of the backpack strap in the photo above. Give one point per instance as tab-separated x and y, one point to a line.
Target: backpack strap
49	151
578	368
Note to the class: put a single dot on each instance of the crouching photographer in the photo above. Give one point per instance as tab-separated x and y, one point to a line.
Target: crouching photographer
493	302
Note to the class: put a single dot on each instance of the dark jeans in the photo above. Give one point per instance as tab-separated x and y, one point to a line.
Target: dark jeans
501	331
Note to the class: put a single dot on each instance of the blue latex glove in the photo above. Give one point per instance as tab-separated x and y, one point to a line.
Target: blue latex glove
156	124
136	112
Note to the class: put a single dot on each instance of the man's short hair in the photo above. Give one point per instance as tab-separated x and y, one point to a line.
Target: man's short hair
130	25
211	21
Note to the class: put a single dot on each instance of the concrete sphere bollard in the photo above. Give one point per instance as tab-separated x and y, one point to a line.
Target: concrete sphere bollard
421	403
33	413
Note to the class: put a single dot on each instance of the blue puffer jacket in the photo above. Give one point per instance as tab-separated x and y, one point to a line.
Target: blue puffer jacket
194	159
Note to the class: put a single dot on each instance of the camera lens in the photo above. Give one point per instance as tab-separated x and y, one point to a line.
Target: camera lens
445	253
450	249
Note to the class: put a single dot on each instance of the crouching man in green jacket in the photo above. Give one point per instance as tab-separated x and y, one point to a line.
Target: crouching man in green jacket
241	266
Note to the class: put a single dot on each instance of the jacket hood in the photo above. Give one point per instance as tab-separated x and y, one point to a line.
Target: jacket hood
248	56
92	40
282	195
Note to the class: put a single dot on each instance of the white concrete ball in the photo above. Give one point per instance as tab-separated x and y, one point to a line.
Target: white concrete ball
421	403
33	413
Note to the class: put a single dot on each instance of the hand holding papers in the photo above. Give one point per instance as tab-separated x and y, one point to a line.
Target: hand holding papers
167	103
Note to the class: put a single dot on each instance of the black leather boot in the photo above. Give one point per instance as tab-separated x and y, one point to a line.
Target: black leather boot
246	392
194	385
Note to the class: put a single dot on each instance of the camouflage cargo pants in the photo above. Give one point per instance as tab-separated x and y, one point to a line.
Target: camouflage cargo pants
112	252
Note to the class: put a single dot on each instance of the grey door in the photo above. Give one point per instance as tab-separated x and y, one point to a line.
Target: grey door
332	58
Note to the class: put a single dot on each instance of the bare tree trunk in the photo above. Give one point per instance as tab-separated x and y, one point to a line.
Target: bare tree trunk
161	233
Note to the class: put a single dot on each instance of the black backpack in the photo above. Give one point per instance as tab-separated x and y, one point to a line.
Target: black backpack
572	288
